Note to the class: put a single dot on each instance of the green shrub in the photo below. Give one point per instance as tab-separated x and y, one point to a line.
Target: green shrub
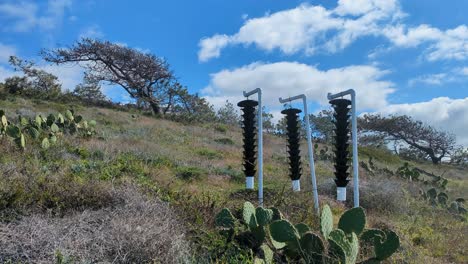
221	128
190	173
258	229
225	141
208	153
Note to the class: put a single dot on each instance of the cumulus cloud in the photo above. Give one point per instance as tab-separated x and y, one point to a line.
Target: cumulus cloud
292	78
310	29
5	52
442	112
93	31
211	47
24	16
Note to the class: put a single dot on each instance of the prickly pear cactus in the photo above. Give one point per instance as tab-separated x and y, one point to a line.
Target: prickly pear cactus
442	198
432	193
45	143
277	215
248	214
371	235
266	255
348	244
302	228
264	216
283	231
223	219
313	248
326	221
69	115
385	249
353	220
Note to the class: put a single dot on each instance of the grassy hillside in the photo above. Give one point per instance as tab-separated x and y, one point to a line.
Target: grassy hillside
147	189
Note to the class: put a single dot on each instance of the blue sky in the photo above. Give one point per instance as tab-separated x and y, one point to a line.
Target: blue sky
402	57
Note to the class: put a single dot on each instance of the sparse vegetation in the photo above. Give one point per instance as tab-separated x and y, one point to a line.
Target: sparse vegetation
145	189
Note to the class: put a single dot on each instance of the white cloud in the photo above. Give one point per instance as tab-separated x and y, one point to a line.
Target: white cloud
6	73
292	78
211	47
442	112
23	16
449	44
5	52
464	71
431	79
310	29
69	75
93	31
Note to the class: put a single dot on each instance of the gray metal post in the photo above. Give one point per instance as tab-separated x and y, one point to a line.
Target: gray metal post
309	147
354	135
260	142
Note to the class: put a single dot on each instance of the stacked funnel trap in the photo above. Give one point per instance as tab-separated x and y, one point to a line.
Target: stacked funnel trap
249	133
292	122
341	122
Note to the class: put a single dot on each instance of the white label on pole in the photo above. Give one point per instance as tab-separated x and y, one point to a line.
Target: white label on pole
249	182
341	193
296	185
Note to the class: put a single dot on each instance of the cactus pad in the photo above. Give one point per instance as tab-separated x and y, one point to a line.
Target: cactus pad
248	215
388	247
312	246
326	221
283	231
353	220
302	228
264	216
349	245
223	219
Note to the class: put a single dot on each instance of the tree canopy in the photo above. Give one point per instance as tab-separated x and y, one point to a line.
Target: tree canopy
142	75
414	135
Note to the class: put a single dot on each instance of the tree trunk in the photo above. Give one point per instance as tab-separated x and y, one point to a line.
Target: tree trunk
155	106
435	160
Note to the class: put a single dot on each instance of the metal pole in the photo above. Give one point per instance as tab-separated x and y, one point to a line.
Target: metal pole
309	147
260	142
354	138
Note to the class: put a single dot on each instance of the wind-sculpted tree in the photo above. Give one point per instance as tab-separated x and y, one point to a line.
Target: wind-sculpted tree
142	75
416	135
89	91
35	82
227	114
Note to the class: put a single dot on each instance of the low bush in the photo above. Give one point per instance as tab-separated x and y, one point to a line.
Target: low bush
208	153
225	141
190	173
140	230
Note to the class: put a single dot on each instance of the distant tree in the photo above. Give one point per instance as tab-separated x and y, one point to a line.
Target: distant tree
45	84
321	125
141	74
416	136
460	156
228	114
267	120
280	128
17	85
192	108
2	89
89	90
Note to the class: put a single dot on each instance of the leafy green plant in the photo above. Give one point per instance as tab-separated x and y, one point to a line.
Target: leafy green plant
44	130
298	243
250	230
442	199
407	172
225	141
190	173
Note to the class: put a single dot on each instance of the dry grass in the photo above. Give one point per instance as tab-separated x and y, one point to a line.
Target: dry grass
142	230
429	235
